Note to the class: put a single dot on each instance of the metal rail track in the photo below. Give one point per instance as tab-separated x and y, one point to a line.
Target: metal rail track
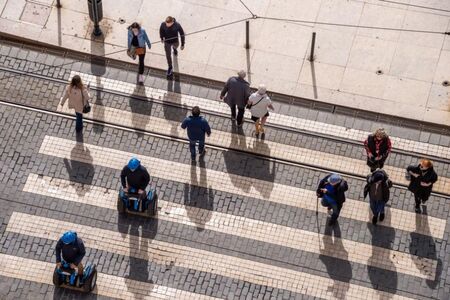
181	140
418	155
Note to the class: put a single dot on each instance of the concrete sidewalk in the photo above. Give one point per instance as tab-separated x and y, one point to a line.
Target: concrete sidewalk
413	65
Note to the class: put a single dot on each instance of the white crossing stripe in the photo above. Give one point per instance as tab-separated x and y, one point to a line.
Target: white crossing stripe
236	141
185	257
107	285
275	118
235	184
244	227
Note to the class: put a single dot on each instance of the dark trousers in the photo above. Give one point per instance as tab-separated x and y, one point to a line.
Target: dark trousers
418	199
336	208
240	115
141	63
377	207
375	164
201	146
168	48
79	122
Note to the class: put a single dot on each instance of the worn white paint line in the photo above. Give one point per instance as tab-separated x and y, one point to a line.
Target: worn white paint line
107	285
244	227
235	141
239	185
275	118
185	257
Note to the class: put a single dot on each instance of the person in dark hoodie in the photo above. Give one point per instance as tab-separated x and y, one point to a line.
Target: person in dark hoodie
134	176
71	248
332	190
197	127
422	179
378	146
377	187
235	93
168	32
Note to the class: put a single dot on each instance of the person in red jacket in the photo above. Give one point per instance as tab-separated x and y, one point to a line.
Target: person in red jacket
378	146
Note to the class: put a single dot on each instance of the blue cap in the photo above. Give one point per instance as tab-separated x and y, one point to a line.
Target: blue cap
69	237
133	164
334	178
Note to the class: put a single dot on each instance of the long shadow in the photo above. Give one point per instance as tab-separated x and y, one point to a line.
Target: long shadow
419	241
58	16
249	66
340	269
140	107
98	68
79	171
172	113
381	279
196	197
263	167
140	232
314	80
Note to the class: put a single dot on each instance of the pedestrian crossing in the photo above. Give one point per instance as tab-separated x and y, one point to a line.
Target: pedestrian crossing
235	184
217	106
107	285
252	144
164	253
244	227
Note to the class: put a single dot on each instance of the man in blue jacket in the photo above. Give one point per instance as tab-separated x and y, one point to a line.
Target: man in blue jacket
71	247
332	190
197	127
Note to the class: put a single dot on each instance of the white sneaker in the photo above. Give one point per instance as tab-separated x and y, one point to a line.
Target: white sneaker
141	78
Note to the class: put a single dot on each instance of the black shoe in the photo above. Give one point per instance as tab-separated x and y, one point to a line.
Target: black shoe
374	220
382	217
169	71
201	154
175	52
418	209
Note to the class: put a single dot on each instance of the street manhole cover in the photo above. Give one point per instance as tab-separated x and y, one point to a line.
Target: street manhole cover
379	72
121	21
35	13
446	83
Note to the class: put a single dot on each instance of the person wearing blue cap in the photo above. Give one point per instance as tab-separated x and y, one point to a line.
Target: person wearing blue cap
134	176
72	250
332	190
377	187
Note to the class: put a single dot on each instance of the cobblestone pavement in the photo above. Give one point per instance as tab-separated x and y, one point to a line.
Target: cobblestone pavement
236	225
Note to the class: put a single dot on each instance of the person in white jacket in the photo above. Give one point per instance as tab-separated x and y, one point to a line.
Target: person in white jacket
259	103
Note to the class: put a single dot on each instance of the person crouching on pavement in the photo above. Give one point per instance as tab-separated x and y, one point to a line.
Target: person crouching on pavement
72	250
422	179
377	187
197	127
378	146
259	104
332	190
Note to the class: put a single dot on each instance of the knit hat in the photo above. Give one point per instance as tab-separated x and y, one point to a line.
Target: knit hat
334	178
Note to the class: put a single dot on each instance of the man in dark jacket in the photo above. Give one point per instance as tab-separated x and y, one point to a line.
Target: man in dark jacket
197	127
332	190
422	179
168	32
378	146
377	187
235	93
71	248
134	176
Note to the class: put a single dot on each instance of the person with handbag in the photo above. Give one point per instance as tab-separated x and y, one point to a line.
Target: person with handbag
235	93
79	97
259	104
377	187
422	178
137	38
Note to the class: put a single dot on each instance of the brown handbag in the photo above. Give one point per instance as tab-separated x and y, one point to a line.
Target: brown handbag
140	51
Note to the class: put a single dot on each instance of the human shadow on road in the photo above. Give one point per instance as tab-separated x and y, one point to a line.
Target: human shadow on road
80	172
385	279
265	168
422	240
198	198
141	109
339	269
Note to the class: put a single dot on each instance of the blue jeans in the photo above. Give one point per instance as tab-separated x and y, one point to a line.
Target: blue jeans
377	207
334	207
79	122
201	146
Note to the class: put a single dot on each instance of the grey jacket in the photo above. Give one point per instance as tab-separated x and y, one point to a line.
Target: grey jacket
236	92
